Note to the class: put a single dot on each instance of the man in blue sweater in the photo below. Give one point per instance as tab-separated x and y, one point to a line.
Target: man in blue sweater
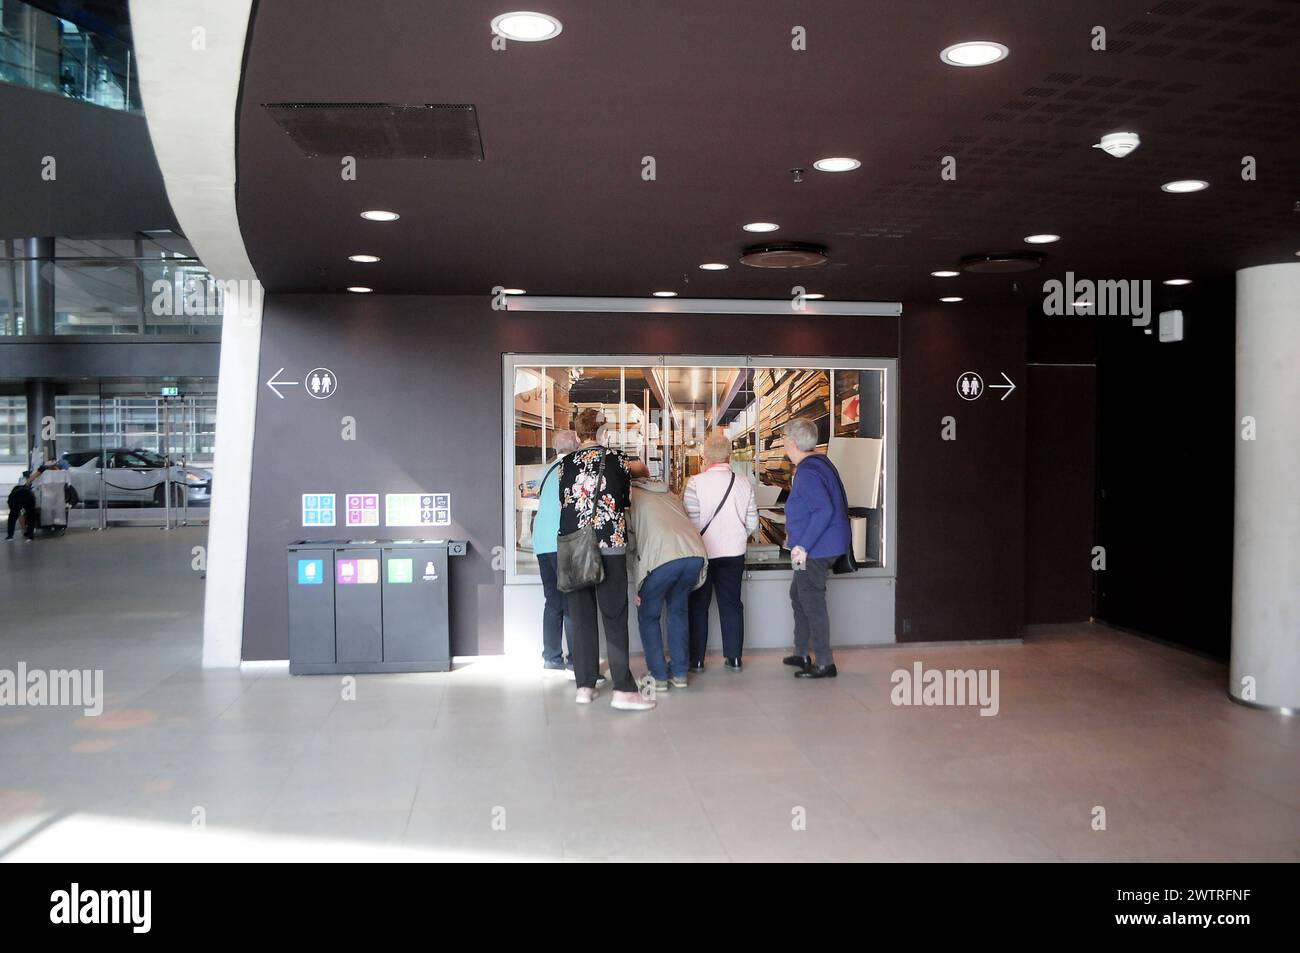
817	534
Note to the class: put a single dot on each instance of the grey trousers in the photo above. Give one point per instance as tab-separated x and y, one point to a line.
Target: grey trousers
812	623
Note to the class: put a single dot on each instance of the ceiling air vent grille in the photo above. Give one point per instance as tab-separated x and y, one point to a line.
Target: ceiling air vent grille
381	130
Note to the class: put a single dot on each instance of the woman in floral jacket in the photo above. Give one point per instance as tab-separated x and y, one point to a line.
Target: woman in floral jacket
594	486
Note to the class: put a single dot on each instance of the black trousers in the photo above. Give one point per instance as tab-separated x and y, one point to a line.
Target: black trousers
812	621
607	601
556	620
13	520
725	576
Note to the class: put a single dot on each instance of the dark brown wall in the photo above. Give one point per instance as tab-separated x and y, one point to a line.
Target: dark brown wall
1061	480
961	503
422	377
1061	468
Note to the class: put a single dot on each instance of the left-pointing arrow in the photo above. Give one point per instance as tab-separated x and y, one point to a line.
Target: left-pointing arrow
275	383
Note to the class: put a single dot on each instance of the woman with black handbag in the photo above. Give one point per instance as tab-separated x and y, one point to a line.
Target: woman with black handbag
595	484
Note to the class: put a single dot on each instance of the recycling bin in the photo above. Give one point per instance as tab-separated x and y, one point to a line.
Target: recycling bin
358	607
415	604
311	603
363	606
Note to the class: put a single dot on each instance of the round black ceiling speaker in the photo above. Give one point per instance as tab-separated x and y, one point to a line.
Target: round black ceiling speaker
1002	263
783	255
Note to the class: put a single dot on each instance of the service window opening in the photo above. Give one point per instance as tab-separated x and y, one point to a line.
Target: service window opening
661	408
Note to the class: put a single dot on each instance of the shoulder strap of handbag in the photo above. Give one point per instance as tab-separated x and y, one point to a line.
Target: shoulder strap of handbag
844	493
541	486
720	502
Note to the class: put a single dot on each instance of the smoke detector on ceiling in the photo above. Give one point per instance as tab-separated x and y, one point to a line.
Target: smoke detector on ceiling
784	255
1119	144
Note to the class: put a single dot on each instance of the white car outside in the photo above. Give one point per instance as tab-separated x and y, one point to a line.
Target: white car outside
134	476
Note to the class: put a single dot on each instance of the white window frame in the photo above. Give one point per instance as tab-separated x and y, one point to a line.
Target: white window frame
512	361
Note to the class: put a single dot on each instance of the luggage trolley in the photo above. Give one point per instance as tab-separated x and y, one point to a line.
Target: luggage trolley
52	501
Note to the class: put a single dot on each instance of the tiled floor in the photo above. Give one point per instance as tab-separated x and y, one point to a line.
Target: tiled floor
491	761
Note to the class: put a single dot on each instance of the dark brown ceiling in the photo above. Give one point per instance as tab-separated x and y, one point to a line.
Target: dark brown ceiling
714	92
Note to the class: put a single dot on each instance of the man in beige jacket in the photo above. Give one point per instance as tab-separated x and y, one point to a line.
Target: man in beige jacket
666	561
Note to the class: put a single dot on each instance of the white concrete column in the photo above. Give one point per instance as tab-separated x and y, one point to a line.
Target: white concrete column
1266	530
190	55
223	595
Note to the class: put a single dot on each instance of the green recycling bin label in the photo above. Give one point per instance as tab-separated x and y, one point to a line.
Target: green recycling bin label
399	570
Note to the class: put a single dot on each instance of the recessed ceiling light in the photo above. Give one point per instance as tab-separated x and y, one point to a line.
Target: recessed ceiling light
1041	239
950	300
761	227
379	215
836	164
944	274
360	289
1179	281
664	294
1185	185
714	266
815	296
364	259
526	27
513	291
974	53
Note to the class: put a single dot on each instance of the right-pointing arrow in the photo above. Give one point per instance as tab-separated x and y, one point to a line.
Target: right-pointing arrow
1008	386
275	384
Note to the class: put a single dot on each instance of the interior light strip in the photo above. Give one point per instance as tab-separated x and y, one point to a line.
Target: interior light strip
701	305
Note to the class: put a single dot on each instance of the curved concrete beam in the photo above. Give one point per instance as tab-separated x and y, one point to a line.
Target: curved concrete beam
191	56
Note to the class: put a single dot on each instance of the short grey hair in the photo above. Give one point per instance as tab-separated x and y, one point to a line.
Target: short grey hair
803	433
716	448
565	441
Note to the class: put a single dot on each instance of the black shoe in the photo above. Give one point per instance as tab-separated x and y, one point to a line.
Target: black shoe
817	671
733	664
553	666
798	661
696	667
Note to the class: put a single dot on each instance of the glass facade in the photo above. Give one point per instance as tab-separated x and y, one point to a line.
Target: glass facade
13	430
184	427
147	284
661	409
42	51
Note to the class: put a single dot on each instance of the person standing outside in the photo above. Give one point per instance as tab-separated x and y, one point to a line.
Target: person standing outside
722	507
817	534
22	502
557	624
595	483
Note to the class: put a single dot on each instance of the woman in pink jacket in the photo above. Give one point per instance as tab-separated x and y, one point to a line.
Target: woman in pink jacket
721	505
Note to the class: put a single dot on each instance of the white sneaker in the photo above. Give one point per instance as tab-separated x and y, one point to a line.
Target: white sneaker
584	696
678	681
631	701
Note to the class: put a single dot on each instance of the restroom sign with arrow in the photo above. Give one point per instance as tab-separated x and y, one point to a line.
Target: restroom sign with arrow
321	383
970	386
